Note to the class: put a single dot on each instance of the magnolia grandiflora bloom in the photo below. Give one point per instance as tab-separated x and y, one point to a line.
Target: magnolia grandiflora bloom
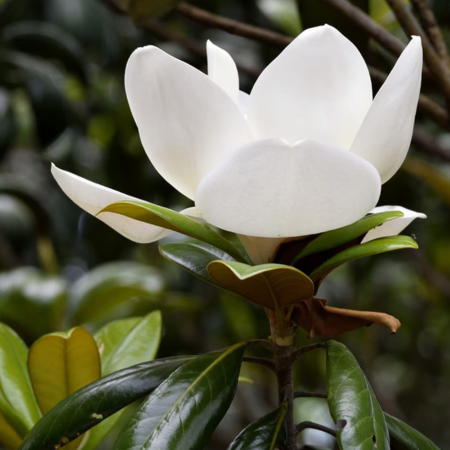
306	152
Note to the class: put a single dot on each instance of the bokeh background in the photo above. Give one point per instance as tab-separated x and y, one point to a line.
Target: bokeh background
62	100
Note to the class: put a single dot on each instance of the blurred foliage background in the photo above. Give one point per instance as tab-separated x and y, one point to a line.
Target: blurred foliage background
62	100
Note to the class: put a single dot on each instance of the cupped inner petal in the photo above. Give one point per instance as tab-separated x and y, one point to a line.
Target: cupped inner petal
94	197
392	227
318	88
385	135
222	70
187	123
272	189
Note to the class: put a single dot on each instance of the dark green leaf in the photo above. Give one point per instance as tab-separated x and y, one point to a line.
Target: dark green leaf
47	41
18	405
335	238
264	284
166	218
374	247
106	287
8	126
353	406
264	434
193	256
97	401
185	410
404	437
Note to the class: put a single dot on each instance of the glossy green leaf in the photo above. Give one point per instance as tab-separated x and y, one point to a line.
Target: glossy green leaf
264	284
374	247
404	437
61	363
127	342
107	287
335	238
9	438
184	411
166	218
17	402
193	256
264	434
122	344
353	406
47	41
92	404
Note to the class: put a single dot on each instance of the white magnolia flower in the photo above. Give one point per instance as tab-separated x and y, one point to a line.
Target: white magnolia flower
305	152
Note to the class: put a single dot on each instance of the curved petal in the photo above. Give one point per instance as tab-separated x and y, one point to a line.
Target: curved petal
94	197
392	227
261	250
222	70
318	88
386	132
244	100
272	189
186	122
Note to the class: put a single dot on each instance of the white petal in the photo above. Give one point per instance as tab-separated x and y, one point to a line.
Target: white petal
386	132
261	250
394	226
94	197
273	189
222	70
318	88
244	100
186	122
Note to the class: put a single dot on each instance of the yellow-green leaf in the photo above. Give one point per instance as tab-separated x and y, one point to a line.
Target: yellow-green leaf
61	363
8	435
264	284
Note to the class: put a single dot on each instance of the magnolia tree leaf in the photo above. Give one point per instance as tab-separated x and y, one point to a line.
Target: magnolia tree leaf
374	247
194	256
17	401
103	289
60	364
166	218
264	434
47	41
353	406
404	437
90	405
183	412
265	284
8	435
335	238
122	344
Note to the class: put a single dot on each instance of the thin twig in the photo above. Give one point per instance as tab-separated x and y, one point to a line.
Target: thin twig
305	394
301	351
316	426
232	26
262	361
412	27
425	141
430	25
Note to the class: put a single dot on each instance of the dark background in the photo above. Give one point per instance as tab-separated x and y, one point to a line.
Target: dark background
62	100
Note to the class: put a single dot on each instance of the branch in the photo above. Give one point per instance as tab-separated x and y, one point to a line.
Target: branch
425	141
301	351
364	22
304	394
316	426
264	343
232	26
429	23
262	361
412	27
